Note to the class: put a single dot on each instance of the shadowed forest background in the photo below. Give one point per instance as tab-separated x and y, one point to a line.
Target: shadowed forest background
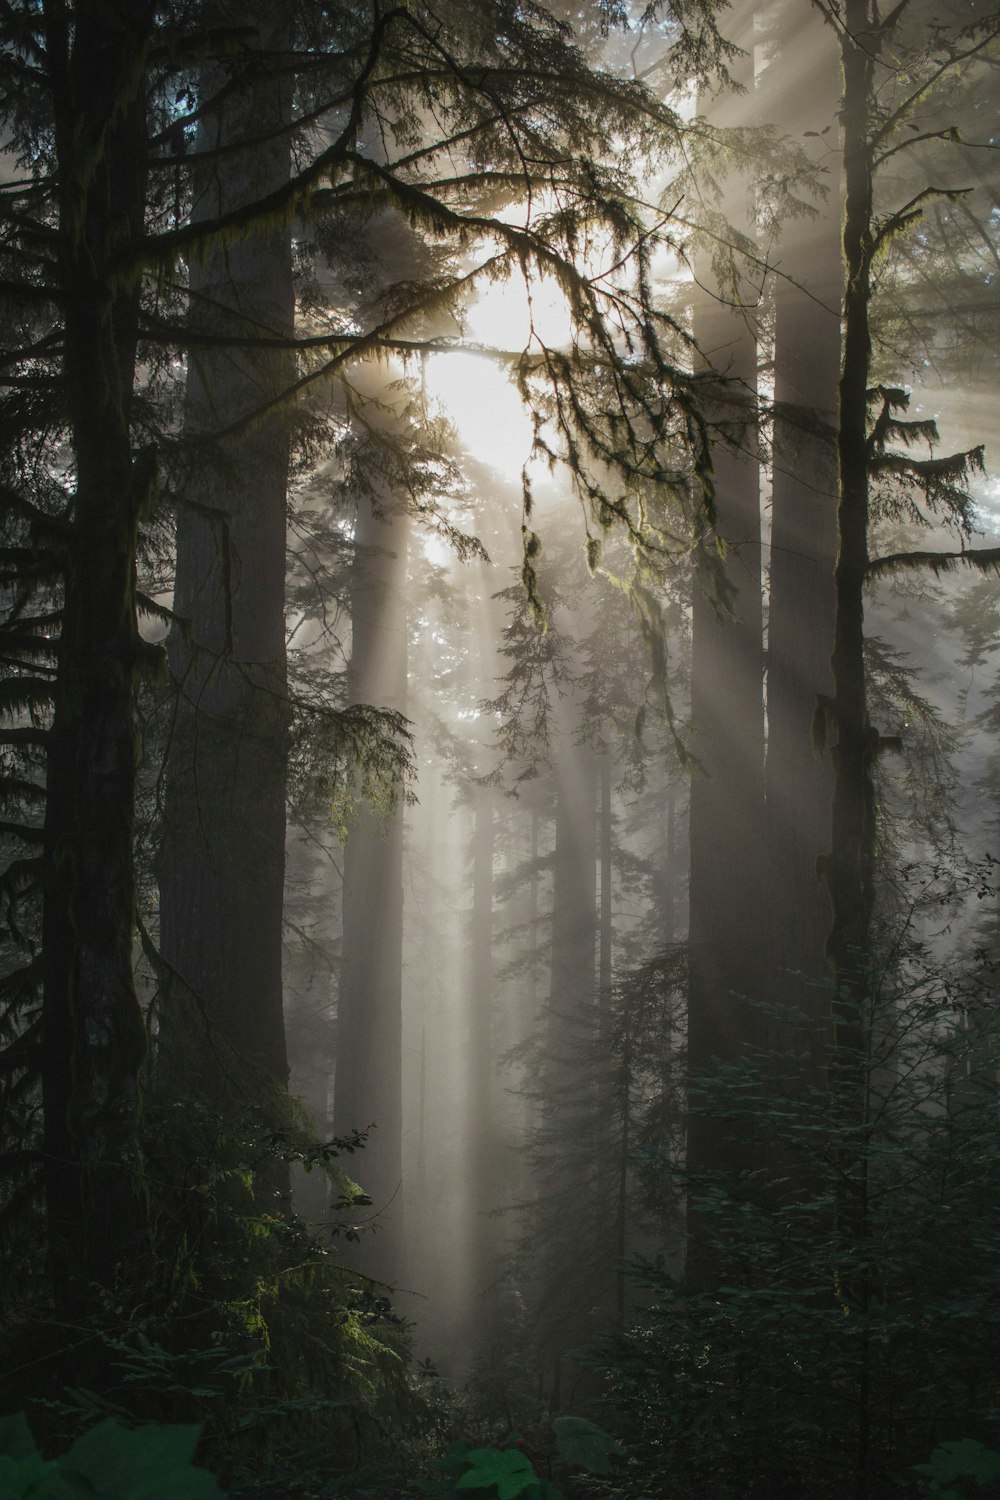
499	561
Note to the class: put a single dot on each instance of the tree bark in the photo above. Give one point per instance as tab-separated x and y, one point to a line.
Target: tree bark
849	866
799	781
369	1007
222	858
574	907
484	1175
567	1283
606	847
727	718
93	1033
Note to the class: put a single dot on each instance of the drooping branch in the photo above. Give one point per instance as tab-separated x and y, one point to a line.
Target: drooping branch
981	560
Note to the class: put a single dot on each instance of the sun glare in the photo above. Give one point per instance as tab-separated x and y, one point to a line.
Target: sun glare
476	390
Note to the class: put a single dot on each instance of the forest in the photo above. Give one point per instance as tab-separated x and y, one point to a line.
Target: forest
499	645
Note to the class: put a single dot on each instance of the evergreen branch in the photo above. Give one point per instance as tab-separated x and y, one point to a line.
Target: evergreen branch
28	833
284	202
911	211
199	46
956	59
18	694
18	788
157	611
983	560
24	736
30	291
26	1048
950	133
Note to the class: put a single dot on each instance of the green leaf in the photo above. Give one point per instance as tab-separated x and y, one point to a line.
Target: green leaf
582	1443
15	1437
509	1470
963	1458
453	1462
31	1478
152	1462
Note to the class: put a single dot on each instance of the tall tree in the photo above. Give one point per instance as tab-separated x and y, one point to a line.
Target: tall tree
869	418
369	1004
800	88
221	865
727	703
94	63
103	116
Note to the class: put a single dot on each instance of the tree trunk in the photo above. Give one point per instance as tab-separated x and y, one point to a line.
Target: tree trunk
93	1033
484	1174
849	867
574	907
606	845
222	859
569	1283
803	548
727	788
369	1008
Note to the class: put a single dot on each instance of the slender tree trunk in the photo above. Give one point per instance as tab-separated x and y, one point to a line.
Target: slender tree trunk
727	790
666	884
483	1144
606	846
222	859
92	1027
574	907
369	1008
849	867
568	1239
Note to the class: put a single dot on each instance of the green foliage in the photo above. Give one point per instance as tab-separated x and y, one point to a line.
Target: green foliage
583	1443
500	1473
830	1349
963	1459
509	1474
108	1462
249	1326
506	1471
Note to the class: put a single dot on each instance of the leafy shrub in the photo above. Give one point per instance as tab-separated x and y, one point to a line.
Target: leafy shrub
109	1462
508	1473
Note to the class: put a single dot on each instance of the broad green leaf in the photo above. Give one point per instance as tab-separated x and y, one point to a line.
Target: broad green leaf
32	1478
152	1462
582	1443
965	1457
15	1437
505	1468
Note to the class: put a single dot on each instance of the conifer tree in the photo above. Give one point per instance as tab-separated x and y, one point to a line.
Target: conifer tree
92	231
221	862
801	89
